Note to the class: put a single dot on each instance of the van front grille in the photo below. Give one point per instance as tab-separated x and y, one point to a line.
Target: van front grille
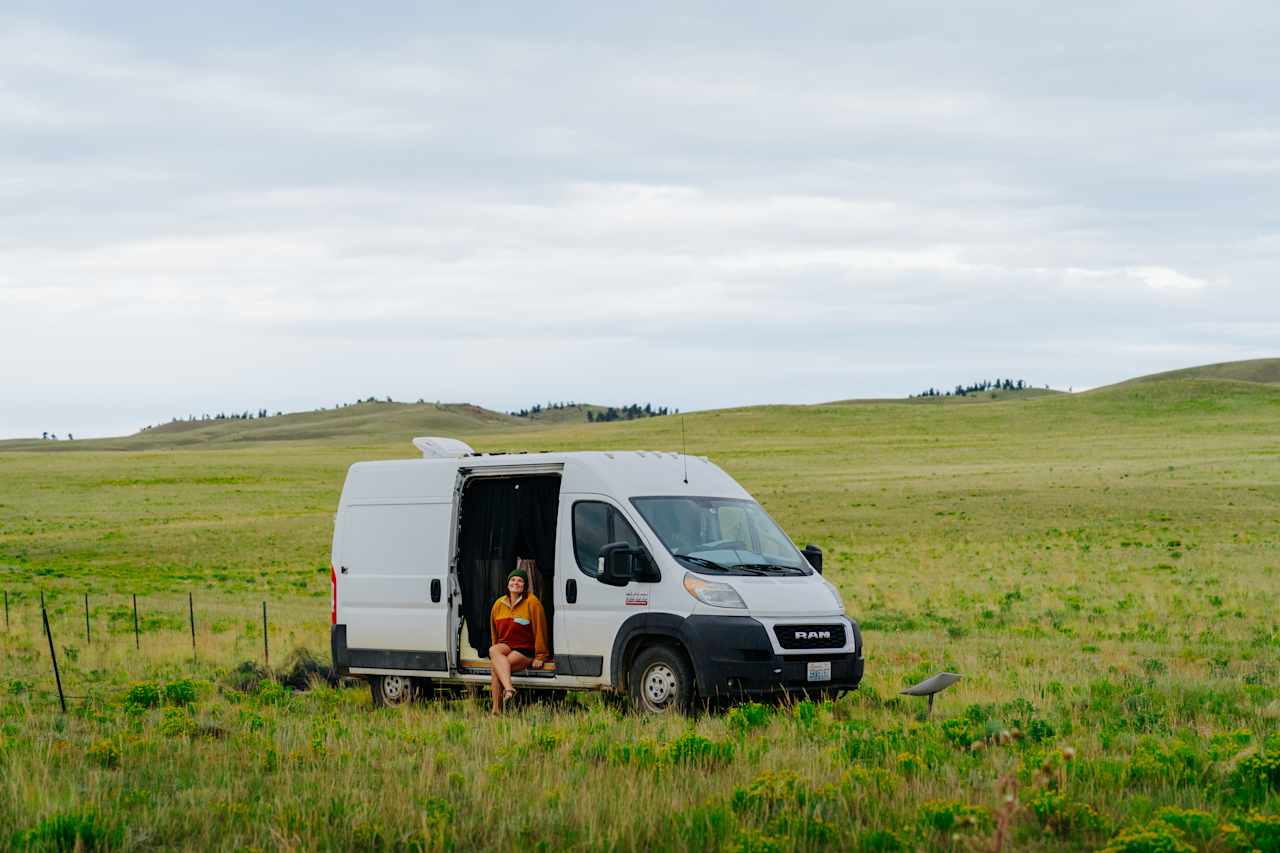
810	636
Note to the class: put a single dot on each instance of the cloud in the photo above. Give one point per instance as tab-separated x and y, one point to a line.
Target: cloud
593	203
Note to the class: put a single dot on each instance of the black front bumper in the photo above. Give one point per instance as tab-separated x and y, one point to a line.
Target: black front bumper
732	656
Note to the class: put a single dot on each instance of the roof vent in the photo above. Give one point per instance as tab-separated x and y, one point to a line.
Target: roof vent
438	447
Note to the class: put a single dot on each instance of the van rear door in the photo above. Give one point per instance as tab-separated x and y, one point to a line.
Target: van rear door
394	599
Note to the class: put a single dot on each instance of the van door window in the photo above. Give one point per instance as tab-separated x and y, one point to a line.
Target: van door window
596	525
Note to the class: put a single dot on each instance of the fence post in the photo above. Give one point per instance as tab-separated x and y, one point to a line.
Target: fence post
266	651
87	639
44	617
44	625
137	643
191	610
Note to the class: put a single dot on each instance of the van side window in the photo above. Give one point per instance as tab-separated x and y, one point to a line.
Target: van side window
596	525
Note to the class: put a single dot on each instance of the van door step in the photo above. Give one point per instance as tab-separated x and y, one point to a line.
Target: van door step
480	666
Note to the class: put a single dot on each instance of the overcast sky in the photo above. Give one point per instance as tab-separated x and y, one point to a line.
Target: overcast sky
228	207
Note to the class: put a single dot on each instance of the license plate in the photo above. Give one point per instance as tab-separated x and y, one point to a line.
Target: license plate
819	670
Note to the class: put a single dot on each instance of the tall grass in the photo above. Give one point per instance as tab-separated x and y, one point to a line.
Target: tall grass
1101	569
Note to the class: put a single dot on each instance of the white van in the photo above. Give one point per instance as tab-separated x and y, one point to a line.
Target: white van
660	576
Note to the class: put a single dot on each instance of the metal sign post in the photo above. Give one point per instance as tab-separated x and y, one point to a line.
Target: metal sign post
266	652
44	616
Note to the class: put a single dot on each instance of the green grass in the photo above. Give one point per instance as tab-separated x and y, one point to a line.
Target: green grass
1103	568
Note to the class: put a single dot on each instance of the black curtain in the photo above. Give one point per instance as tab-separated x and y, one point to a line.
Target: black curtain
537	504
504	518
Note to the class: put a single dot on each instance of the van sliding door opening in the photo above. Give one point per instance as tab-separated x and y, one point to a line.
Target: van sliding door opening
502	519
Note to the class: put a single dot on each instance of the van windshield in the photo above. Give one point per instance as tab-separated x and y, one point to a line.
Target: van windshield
722	536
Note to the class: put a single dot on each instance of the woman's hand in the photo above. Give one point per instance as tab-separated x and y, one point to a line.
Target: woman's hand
537	664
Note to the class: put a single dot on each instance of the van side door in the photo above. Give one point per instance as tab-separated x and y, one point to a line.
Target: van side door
394	592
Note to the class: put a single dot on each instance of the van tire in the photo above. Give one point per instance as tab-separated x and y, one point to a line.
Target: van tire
390	691
661	681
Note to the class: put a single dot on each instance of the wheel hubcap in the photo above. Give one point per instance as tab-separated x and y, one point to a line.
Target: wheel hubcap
395	688
659	686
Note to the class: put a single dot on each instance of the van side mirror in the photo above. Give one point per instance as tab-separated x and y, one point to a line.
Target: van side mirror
616	560
813	554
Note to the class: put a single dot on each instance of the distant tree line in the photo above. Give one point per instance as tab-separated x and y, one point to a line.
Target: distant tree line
53	436
612	413
629	412
264	413
538	408
224	416
978	388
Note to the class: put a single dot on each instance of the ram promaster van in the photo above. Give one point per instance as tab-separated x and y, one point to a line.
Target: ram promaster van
660	576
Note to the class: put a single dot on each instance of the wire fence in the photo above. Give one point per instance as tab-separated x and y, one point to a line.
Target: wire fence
12	604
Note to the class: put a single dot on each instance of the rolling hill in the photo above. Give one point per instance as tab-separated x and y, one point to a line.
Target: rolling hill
1264	370
378	422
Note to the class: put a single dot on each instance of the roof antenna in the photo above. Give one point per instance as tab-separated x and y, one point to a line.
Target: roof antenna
684	451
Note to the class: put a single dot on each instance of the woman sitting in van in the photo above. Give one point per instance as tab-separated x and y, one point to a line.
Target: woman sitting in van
518	627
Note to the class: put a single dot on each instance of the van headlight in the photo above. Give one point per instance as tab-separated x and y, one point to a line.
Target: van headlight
713	592
835	593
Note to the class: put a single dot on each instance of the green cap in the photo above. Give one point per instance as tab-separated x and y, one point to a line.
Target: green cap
522	574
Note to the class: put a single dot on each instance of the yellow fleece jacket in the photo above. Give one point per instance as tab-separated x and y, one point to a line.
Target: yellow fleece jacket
521	627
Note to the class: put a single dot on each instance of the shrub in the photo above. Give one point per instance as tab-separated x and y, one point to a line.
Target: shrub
1156	838
875	779
302	668
437	818
806	830
141	696
1194	823
1167	763
948	817
642	754
774	793
959	732
1038	730
692	748
882	841
1256	776
909	763
246	676
104	753
751	715
180	692
751	841
176	722
77	831
1263	830
251	720
1062	817
805	713
271	693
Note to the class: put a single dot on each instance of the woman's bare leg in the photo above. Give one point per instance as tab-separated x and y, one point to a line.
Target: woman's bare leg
515	663
499	666
495	691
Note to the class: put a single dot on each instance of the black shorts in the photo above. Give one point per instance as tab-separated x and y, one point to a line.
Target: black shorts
526	652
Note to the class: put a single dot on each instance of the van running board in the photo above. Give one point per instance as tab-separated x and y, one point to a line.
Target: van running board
481	667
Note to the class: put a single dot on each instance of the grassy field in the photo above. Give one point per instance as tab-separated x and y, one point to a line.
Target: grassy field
1103	569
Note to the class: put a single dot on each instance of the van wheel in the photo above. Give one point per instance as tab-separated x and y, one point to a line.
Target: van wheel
661	681
392	690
